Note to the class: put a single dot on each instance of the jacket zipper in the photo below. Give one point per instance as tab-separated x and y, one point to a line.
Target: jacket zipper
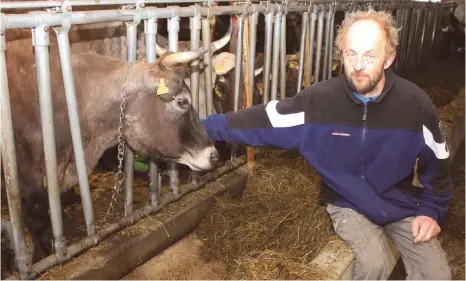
364	118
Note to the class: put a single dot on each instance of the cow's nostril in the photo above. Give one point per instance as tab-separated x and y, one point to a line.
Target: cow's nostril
214	156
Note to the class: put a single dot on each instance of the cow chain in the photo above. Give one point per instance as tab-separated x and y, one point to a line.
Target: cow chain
120	176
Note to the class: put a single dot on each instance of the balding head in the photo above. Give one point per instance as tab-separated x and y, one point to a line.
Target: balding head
367	45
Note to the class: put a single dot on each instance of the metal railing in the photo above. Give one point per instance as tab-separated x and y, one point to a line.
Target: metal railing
419	37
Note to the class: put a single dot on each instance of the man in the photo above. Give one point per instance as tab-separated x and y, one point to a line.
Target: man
363	132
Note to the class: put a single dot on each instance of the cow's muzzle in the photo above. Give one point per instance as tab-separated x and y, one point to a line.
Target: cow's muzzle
200	160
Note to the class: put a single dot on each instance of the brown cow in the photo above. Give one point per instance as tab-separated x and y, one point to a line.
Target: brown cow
165	125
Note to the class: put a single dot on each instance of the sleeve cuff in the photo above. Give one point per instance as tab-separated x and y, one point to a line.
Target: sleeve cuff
426	211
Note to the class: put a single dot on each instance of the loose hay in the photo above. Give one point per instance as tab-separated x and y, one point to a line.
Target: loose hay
274	265
278	222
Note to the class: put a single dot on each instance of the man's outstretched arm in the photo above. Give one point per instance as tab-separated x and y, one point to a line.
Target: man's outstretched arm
278	123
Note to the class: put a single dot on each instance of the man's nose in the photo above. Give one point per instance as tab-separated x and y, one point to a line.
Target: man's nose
359	64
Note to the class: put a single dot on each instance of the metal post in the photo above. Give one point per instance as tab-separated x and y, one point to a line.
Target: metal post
195	27
173	29
276	51
434	29
206	41
331	43
312	35
302	44
41	49
75	127
328	17
150	29
238	60
10	169
320	30
238	68
283	58
252	50
131	35
267	56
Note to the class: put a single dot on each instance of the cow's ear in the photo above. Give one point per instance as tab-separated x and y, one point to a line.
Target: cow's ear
151	79
223	63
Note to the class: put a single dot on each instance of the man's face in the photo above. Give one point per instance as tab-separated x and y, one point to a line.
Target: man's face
364	56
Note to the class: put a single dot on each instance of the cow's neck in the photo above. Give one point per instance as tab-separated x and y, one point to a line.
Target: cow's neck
101	100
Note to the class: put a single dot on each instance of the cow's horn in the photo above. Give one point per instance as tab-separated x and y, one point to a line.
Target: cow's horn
258	71
222	42
159	50
182	57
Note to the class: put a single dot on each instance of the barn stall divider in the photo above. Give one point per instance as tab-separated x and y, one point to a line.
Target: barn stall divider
419	37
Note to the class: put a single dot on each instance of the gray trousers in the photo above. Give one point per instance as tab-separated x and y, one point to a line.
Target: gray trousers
424	260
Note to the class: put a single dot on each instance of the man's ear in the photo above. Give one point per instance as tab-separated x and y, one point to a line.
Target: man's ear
390	60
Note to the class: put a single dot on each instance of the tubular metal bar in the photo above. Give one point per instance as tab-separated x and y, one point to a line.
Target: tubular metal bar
41	49
48	4
433	31
206	40
267	56
104	232
422	29
131	35
410	44
328	17
417	37
405	38
150	29
320	30
195	27
283	58
75	127
276	50
10	170
173	27
238	60
238	68
302	44
312	35
252	50
81	17
330	57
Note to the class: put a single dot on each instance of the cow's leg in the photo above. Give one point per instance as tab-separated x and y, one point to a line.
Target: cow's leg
35	205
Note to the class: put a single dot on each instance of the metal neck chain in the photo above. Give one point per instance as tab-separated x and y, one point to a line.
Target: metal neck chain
120	176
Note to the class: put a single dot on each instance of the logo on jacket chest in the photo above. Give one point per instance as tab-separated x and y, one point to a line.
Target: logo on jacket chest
340	133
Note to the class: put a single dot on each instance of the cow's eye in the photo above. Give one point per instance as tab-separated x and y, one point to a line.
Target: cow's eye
183	103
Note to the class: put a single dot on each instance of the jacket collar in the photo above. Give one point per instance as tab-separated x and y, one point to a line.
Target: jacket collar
389	81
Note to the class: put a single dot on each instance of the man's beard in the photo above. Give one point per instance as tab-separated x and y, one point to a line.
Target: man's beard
367	85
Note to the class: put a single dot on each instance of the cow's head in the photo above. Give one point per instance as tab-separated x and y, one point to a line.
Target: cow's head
160	118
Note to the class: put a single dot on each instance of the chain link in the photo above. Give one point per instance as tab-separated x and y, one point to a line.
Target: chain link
120	176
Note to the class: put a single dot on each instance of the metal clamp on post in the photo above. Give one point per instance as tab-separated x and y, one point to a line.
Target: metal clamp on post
66	16
138	9
195	24
2	34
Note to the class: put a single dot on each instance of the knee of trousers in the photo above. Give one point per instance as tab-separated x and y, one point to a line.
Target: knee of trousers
372	262
436	269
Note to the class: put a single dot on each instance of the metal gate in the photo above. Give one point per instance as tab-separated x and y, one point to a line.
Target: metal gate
419	38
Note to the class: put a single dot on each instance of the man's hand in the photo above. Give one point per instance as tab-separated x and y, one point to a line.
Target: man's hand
424	229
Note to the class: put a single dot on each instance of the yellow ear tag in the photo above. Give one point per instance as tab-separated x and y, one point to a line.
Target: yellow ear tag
293	65
217	91
162	90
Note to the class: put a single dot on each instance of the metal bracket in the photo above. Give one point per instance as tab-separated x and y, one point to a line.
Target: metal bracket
66	15
2	34
138	8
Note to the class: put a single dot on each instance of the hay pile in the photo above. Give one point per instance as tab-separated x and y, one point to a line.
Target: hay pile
276	228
